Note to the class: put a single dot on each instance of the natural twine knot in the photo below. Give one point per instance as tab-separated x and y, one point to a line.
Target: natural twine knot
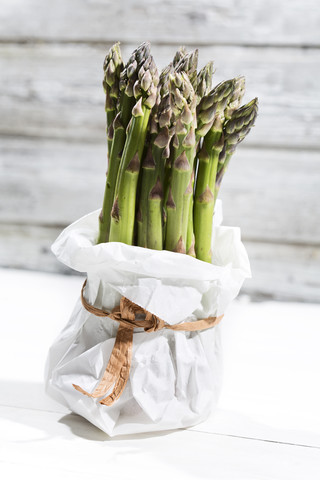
117	371
127	312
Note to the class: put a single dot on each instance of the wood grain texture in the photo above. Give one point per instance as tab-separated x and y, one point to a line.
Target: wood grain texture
270	194
55	91
279	271
283	272
52	123
28	247
267	22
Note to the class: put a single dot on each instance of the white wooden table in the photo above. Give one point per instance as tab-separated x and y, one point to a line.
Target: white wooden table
267	425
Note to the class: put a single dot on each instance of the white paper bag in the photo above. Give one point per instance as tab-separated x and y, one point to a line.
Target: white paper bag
175	375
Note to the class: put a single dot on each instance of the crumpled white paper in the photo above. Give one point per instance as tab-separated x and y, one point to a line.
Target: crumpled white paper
175	376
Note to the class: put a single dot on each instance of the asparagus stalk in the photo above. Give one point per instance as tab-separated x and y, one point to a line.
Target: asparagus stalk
155	193
235	99
147	173
204	84
123	211
154	218
188	64
204	195
204	81
151	195
212	167
190	246
235	131
114	162
161	132
160	140
183	101
153	164
215	102
126	102
181	132
211	105
179	55
112	68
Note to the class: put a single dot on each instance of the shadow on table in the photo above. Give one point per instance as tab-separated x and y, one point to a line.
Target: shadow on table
29	405
82	428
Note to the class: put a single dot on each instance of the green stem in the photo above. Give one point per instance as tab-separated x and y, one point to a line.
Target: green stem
155	199
110	119
186	219
204	196
123	211
114	162
181	189
220	175
203	213
117	145
190	228
154	230
148	171
166	185
175	240
126	105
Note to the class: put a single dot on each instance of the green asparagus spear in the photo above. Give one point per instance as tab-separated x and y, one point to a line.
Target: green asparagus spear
150	233
112	68
188	64
204	81
155	191
123	211
183	101
183	134
211	105
235	131
204	194
208	160
212	168
179	55
236	97
126	102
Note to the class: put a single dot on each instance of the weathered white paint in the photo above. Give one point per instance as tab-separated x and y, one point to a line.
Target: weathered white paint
50	88
268	22
270	194
287	272
55	91
284	272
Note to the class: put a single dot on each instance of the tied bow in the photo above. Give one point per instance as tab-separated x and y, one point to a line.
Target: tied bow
117	372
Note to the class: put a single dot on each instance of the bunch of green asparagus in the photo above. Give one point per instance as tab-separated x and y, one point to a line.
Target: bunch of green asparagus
170	140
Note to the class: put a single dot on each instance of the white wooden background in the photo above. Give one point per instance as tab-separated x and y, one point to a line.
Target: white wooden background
52	122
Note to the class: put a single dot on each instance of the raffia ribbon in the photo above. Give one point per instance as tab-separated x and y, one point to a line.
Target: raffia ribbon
118	368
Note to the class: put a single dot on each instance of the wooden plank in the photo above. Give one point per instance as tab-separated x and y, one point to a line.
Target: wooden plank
267	22
283	272
55	91
280	271
50	183
272	195
29	438
28	247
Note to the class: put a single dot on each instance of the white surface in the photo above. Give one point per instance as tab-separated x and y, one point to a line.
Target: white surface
267	426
